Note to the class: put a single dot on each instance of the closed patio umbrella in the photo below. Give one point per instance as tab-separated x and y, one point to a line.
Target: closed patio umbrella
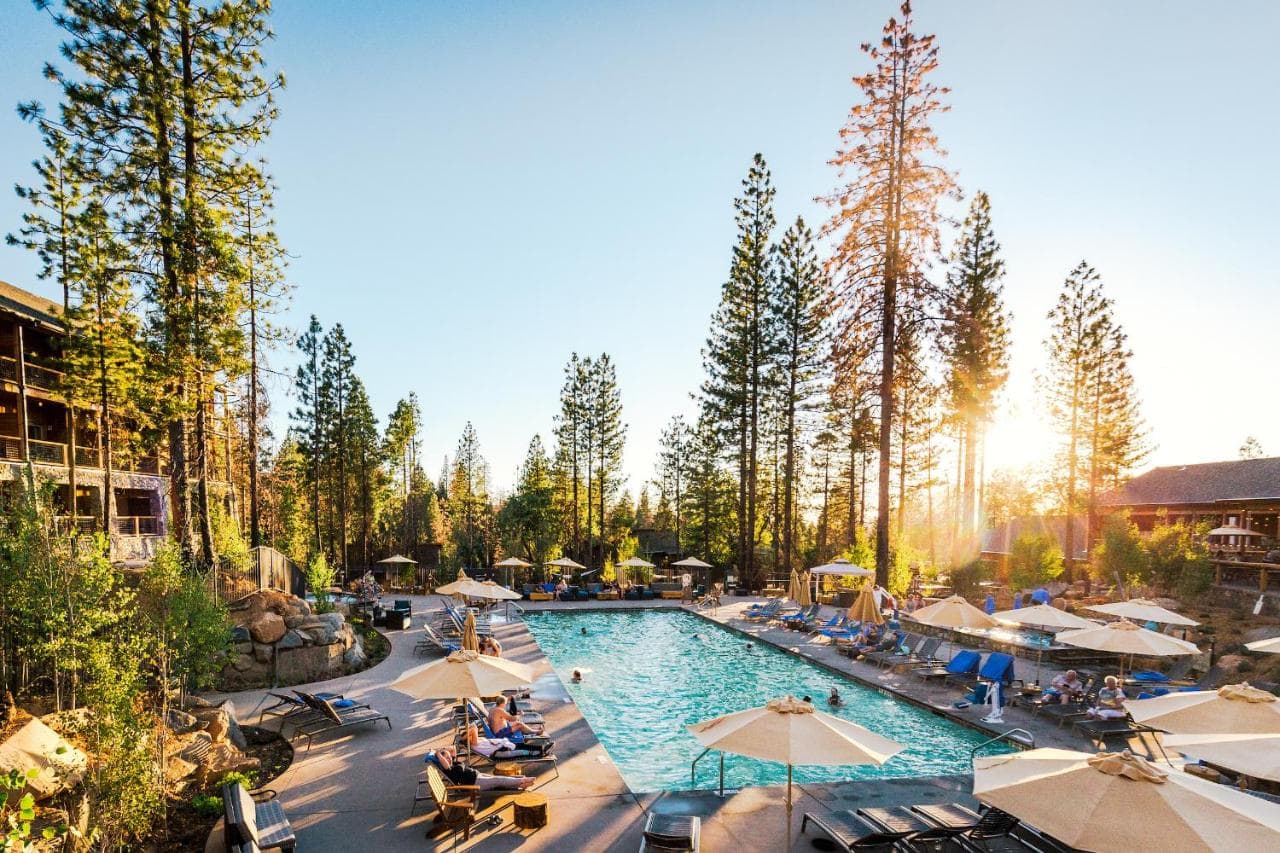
805	598
793	588
470	642
1144	610
1236	709
1120	803
1257	756
865	609
792	732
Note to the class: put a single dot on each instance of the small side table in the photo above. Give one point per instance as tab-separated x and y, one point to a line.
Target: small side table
506	768
531	811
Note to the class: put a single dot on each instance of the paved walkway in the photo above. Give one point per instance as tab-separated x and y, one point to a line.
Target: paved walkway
354	790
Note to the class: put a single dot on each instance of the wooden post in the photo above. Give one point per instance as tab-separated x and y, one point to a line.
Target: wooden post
22	392
1217	573
1262	580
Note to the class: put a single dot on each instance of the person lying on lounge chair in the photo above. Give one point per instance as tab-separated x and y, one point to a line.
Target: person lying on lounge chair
502	748
1110	701
457	772
505	724
1065	687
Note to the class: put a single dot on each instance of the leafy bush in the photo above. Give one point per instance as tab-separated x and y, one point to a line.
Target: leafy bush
207	805
320	576
190	621
966	576
1179	560
1121	553
1034	561
248	780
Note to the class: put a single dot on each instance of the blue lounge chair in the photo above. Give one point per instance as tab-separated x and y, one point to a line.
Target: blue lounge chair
998	667
842	629
791	620
965	661
833	622
765	613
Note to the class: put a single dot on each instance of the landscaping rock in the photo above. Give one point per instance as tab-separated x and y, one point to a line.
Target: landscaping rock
295	621
355	657
239	634
35	746
291	640
196	748
242	662
220	722
245	648
267	628
180	722
177	768
309	663
262	652
1230	663
223	758
191	702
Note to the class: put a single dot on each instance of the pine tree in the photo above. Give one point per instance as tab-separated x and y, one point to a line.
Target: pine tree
469	501
974	343
310	415
338	377
1117	434
799	306
364	446
528	520
1079	324
610	435
740	351
570	429
673	466
886	219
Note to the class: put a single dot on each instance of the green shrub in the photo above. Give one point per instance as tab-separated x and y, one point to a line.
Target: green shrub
1121	553
1179	560
966	576
248	780
1034	561
320	576
207	805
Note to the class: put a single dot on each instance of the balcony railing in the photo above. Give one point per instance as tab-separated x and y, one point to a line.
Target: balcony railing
8	368
137	525
47	452
88	457
10	448
42	377
83	523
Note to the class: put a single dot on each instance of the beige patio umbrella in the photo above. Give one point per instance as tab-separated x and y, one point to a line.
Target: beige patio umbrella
1257	756
496	592
470	642
792	732
510	564
865	609
1043	616
464	585
1143	610
1119	803
1236	709
462	674
1125	638
1232	530
953	612
626	566
1271	646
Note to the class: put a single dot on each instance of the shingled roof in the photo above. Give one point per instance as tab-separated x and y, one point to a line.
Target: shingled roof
1207	483
26	304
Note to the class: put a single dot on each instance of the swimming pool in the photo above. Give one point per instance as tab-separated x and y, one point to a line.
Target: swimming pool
650	673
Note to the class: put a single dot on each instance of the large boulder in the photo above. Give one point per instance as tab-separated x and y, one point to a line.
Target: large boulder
223	758
291	640
220	722
354	656
180	722
262	652
242	662
267	628
35	746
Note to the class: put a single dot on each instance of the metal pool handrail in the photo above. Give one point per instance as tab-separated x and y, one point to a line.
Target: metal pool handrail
1025	738
693	771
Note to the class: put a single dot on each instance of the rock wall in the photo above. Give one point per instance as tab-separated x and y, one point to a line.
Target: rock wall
278	638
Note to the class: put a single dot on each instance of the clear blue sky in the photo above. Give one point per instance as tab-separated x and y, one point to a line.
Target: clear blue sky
477	189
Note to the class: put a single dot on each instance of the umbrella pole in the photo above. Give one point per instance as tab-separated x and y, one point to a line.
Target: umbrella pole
788	808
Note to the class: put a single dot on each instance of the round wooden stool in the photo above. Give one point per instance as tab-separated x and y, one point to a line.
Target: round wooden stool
531	811
506	768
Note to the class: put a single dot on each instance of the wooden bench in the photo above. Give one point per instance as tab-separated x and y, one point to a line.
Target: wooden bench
253	825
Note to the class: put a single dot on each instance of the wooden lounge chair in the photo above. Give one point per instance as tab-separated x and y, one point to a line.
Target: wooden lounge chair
456	805
1063	712
1098	731
432	641
330	718
849	831
254	823
876	656
671	832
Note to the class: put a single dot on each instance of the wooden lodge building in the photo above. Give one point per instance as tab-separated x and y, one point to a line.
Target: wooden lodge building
1242	493
35	427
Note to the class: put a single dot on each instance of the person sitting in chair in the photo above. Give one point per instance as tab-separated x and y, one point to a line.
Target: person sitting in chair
505	725
457	772
1064	688
1110	701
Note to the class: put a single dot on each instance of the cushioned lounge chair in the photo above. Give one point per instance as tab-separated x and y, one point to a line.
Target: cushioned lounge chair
432	641
833	622
965	661
764	614
1099	731
671	832
1063	712
329	718
456	805
798	620
287	705
921	651
998	667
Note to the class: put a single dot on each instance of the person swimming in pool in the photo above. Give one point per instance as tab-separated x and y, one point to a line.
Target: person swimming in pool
584	630
834	699
577	676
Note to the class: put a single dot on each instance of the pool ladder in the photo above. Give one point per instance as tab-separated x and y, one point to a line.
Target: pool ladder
1018	736
693	771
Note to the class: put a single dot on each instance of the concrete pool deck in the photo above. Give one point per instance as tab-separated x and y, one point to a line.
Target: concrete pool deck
354	790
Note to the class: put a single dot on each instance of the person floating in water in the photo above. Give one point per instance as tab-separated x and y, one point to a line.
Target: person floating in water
584	630
577	676
834	699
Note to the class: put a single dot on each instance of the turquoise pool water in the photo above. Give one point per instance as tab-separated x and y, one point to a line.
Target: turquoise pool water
651	673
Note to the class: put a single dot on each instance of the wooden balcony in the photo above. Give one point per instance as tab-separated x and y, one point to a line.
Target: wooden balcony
55	453
37	375
84	524
136	525
9	369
